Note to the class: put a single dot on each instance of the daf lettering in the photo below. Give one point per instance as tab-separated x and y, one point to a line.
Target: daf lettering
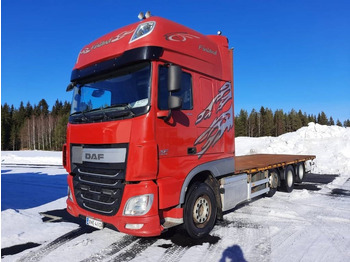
92	156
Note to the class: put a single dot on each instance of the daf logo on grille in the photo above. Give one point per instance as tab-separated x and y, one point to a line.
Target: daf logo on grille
92	156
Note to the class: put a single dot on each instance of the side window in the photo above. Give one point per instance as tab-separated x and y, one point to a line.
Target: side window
185	92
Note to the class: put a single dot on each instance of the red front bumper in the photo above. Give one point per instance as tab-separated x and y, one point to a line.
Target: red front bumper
150	221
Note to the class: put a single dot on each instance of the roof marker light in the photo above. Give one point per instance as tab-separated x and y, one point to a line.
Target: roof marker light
148	14
141	16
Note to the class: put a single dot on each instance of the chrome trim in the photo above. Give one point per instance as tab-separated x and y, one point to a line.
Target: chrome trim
96	183
97	209
97	174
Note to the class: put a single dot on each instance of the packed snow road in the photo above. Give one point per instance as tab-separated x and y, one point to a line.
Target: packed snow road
310	224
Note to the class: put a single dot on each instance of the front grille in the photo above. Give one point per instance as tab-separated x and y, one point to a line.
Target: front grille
98	187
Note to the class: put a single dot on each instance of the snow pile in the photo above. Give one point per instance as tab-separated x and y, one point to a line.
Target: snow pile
31	157
330	144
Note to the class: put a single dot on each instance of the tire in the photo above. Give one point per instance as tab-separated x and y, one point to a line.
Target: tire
274	181
288	183
200	210
300	172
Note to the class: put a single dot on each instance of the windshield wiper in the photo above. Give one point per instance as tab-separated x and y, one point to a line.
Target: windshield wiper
122	105
120	114
103	113
83	119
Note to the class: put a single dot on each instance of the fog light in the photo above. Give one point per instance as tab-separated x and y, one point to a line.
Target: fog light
138	205
133	226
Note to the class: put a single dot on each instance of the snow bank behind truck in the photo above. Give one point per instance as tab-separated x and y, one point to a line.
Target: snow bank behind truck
150	139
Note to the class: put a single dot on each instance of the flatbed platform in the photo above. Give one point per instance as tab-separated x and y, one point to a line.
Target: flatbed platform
261	162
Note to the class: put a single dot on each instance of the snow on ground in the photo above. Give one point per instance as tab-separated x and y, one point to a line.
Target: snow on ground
31	157
306	225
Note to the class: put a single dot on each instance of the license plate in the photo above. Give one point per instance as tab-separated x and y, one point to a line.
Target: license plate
94	223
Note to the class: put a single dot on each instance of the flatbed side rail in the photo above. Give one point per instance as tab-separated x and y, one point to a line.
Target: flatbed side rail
260	162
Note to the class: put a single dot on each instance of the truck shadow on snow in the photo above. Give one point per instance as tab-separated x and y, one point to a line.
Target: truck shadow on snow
314	182
27	190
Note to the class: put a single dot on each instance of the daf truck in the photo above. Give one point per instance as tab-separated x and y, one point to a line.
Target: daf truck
150	140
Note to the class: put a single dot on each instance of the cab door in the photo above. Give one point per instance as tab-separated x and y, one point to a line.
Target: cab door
176	135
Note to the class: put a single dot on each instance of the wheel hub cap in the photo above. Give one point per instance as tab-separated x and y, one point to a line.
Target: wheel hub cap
201	210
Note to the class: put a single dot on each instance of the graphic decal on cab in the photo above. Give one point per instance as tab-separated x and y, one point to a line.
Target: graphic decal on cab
106	42
179	36
221	124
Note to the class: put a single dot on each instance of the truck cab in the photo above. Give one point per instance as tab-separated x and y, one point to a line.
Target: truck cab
151	120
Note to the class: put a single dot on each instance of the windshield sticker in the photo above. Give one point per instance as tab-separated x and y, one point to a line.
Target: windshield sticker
179	36
139	103
220	124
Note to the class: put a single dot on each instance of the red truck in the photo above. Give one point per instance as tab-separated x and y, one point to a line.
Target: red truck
150	139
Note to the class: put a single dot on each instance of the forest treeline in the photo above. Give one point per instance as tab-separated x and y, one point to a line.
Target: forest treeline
265	122
34	127
37	128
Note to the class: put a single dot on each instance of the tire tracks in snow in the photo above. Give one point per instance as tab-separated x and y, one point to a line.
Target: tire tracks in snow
174	253
112	249
133	250
37	255
327	230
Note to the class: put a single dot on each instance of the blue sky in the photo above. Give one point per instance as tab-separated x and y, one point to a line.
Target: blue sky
288	54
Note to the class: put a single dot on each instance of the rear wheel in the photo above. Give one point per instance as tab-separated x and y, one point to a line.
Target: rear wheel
300	173
274	178
200	210
288	183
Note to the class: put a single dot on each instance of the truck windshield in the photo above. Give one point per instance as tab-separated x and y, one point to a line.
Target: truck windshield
123	94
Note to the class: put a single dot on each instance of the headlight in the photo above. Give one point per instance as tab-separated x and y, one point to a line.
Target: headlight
143	30
139	205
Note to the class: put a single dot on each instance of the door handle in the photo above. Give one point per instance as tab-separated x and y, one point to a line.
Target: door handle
191	151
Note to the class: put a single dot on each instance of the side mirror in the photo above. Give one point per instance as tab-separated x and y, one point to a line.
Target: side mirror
70	86
174	78
174	102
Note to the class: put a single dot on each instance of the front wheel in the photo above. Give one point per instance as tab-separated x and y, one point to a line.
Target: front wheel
200	210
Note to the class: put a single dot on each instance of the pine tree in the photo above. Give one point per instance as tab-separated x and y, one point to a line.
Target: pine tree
254	124
6	125
241	123
322	119
267	128
339	123
279	121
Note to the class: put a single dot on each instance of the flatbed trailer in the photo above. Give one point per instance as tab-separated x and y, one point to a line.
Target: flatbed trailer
261	174
261	162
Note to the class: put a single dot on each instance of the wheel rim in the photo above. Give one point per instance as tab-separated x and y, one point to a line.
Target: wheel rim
301	172
273	180
201	211
290	178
